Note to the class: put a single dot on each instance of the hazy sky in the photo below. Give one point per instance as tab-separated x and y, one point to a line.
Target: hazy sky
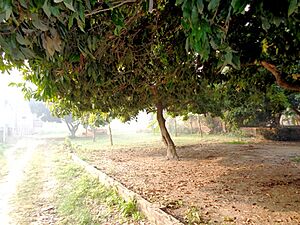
12	103
14	96
10	92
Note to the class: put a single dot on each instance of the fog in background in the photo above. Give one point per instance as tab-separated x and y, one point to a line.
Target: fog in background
17	120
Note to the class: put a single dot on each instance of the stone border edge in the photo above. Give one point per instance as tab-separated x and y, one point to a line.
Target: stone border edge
152	213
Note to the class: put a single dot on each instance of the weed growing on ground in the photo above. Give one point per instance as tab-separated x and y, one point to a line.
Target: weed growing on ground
129	209
192	216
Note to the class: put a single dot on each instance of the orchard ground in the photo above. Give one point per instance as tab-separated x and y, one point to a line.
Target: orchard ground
218	180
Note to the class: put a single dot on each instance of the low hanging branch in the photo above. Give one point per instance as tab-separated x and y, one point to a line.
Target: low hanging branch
279	79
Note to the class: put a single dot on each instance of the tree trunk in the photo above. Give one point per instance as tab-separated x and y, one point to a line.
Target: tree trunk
191	124
200	126
110	135
276	122
72	128
224	127
86	131
94	134
171	149
175	127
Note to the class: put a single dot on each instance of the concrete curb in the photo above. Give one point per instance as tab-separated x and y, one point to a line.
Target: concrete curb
153	214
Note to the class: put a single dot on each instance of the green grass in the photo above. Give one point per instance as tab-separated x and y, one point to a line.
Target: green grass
80	195
296	159
128	140
236	142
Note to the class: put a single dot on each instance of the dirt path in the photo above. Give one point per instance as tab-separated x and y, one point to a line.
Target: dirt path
33	202
17	159
44	187
221	183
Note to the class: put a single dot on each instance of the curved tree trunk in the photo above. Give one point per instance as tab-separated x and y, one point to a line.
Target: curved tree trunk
72	128
171	149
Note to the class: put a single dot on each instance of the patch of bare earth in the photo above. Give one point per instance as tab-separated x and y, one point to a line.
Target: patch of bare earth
229	184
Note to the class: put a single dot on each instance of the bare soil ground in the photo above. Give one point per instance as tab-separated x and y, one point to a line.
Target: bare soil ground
229	184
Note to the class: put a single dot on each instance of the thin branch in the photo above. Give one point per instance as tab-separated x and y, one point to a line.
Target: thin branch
150	6
108	9
279	79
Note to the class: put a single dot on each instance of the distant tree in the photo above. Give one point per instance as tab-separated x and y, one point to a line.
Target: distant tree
72	124
98	119
67	113
42	111
294	100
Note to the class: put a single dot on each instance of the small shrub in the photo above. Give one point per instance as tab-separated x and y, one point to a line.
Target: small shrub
193	217
129	209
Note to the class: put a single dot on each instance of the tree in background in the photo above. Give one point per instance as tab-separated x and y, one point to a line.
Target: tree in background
68	113
54	115
98	119
42	112
73	124
294	100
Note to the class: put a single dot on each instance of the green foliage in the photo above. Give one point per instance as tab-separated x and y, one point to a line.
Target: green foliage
42	112
251	99
103	57
296	159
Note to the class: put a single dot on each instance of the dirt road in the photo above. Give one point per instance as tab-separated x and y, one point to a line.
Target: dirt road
17	158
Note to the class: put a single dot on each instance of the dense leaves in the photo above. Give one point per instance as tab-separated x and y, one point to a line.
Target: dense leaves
123	57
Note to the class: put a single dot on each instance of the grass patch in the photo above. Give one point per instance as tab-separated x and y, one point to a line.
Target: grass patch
83	200
236	142
296	159
129	140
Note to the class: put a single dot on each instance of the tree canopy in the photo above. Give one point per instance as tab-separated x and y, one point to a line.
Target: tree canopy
123	57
